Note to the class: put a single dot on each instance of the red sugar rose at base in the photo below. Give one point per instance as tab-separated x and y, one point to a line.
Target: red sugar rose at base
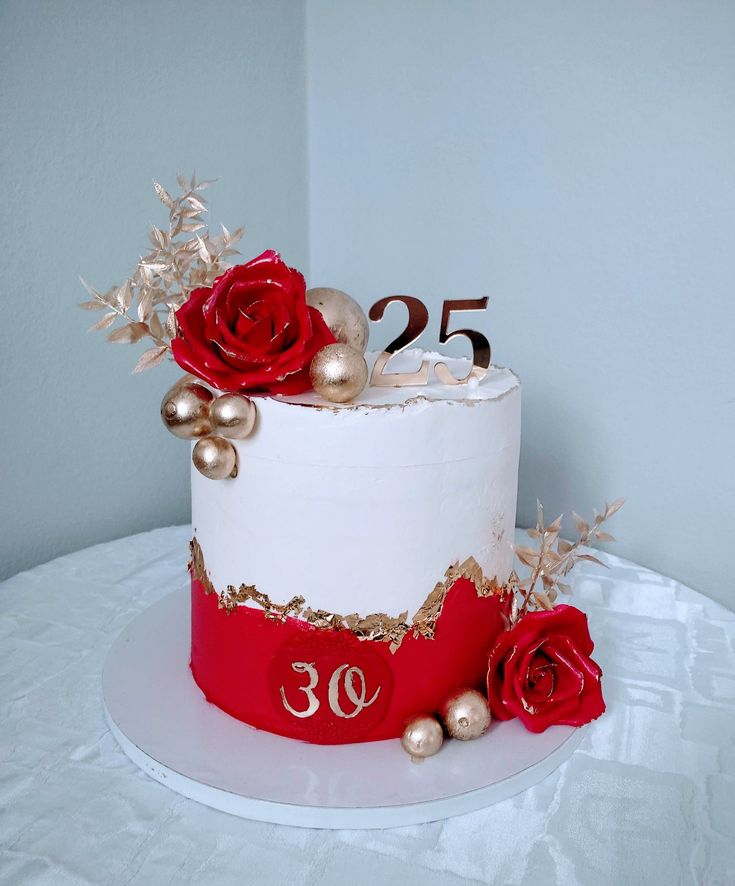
327	687
540	671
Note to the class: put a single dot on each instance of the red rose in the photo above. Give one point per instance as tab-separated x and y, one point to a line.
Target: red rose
252	331
541	672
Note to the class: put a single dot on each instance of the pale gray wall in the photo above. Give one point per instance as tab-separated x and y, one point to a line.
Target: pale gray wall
98	98
572	160
576	162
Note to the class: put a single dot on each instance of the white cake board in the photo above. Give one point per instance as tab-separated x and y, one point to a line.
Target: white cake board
165	725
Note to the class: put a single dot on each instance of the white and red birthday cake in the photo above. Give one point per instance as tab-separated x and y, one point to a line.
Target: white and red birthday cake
352	560
352	573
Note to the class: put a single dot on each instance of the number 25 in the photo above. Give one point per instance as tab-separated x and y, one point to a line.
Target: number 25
418	318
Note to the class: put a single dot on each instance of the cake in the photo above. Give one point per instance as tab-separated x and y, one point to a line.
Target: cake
352	560
372	537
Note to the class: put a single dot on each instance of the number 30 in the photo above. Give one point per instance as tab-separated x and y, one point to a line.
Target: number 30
418	318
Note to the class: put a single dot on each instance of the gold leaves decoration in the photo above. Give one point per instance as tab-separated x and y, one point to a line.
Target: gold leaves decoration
150	358
555	558
378	626
145	304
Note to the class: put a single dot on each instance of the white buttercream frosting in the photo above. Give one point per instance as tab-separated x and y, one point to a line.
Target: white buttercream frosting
362	507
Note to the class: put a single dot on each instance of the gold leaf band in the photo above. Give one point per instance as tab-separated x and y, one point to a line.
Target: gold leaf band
378	626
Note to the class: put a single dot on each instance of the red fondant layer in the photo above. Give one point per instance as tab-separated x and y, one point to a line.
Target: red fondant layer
243	663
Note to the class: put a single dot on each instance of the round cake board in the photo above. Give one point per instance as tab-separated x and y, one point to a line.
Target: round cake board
164	724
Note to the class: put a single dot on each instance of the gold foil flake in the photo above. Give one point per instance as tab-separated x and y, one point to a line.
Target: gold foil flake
275	611
224	602
378	626
320	618
197	567
373	627
424	621
429	612
470	570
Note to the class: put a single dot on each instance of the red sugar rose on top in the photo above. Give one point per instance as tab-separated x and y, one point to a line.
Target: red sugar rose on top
251	332
540	671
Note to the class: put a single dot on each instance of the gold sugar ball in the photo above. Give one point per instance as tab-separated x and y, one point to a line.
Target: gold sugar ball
342	314
466	714
185	410
422	737
233	415
338	373
184	380
215	457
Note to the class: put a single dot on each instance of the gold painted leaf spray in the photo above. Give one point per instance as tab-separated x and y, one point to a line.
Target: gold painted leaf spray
165	276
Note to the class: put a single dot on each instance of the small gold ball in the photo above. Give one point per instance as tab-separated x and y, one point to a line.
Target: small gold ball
233	415
215	457
422	737
466	714
185	410
338	373
342	314
184	380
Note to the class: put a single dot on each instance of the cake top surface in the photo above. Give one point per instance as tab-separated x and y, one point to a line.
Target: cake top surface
498	382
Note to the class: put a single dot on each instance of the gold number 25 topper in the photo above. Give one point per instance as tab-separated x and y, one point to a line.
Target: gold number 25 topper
418	318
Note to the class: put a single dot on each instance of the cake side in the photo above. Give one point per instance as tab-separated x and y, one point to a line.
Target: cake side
330	686
351	570
363	508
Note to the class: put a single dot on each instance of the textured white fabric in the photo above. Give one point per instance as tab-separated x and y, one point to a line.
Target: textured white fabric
648	798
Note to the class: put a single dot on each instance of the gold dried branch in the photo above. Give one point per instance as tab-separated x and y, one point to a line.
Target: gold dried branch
184	256
555	558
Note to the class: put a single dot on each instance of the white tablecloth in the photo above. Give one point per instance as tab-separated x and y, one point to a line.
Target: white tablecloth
648	798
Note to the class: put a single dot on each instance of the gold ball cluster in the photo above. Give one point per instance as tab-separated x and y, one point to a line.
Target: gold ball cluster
465	715
192	412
